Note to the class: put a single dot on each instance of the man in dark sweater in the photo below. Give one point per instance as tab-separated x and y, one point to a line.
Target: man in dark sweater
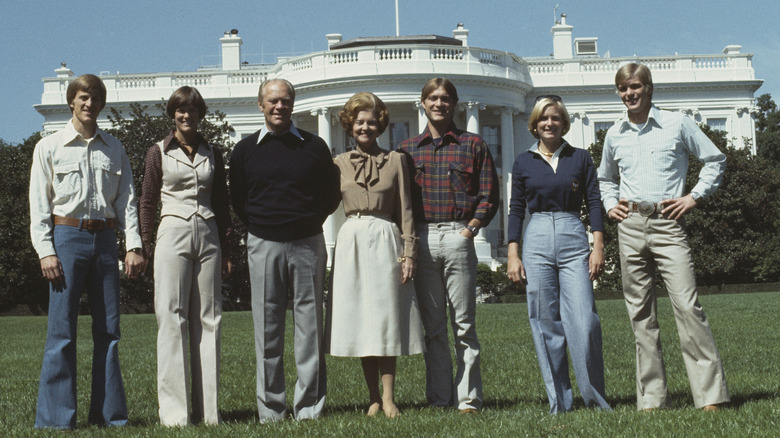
283	186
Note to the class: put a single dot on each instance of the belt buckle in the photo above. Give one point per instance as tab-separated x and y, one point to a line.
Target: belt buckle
646	208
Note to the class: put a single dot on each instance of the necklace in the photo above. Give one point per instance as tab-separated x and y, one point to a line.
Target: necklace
547	154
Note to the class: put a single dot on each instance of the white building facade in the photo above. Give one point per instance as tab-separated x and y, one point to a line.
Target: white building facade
497	91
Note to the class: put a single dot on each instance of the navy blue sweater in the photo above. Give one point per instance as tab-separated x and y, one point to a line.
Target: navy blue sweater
284	188
537	186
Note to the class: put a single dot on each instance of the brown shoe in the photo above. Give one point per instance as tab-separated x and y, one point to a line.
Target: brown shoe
468	411
710	408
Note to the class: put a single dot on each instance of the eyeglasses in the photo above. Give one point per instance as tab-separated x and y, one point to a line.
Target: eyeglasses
549	96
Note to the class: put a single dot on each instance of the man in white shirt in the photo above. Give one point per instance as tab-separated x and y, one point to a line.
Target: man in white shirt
642	180
81	188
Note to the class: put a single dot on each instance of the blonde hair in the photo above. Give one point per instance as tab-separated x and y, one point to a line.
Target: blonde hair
639	71
364	101
536	115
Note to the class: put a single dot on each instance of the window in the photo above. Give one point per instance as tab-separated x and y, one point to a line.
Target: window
398	133
492	136
717	123
600	126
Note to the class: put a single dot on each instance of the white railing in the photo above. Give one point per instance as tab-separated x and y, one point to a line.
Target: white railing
191	79
393	54
447	53
248	77
655	63
132	81
712	62
342	57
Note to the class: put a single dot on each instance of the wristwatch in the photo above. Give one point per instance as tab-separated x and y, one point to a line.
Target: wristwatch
473	230
138	251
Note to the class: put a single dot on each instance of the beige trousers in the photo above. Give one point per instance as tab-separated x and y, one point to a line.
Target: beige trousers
653	242
188	304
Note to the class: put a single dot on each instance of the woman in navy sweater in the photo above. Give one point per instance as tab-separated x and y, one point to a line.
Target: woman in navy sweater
552	180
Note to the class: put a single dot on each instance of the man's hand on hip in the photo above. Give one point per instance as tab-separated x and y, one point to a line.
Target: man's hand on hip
677	207
619	212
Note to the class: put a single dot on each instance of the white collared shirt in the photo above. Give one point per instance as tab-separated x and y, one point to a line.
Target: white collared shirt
650	162
265	131
80	178
553	161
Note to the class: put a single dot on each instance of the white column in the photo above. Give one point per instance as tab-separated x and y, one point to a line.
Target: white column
483	247
422	119
507	161
323	124
472	116
330	227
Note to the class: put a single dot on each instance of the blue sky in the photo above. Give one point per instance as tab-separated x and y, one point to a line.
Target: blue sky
150	36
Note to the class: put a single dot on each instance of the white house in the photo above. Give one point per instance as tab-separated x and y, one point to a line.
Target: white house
496	89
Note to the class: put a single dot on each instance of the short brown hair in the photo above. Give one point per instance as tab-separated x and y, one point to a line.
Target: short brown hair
639	71
89	84
536	115
435	83
186	95
268	81
364	101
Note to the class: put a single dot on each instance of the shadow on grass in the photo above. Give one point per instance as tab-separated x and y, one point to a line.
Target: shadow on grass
239	416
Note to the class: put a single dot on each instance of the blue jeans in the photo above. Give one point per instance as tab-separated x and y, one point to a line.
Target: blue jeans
562	310
89	261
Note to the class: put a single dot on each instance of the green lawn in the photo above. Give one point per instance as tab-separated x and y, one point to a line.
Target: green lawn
746	327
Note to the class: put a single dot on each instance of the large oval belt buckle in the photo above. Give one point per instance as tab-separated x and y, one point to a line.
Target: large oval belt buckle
646	208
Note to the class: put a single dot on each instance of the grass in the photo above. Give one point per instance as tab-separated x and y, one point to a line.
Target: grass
746	329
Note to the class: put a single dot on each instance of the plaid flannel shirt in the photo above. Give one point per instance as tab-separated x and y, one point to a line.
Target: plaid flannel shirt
455	181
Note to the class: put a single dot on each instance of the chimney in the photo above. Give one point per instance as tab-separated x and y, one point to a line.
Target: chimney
333	38
461	34
231	50
732	49
562	39
63	71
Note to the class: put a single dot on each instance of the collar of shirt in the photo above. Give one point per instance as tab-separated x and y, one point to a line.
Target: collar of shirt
554	159
452	133
652	118
264	131
170	141
71	134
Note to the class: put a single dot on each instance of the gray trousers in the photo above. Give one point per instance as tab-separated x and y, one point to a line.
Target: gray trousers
446	275
647	243
279	271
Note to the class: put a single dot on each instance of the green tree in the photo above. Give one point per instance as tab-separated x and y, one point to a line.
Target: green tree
768	128
20	270
734	234
609	283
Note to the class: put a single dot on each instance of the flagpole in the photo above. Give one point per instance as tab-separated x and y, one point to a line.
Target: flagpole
397	33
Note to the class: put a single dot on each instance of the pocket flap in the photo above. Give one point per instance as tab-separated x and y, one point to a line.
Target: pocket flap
66	168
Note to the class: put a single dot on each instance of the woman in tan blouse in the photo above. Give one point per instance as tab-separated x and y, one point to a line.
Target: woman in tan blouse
373	309
191	258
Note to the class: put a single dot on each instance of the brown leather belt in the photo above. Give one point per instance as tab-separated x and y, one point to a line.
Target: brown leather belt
86	224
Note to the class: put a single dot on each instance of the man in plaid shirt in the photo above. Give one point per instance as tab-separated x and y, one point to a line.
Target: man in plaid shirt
454	193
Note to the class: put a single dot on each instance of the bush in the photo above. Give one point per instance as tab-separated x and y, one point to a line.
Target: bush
496	284
20	270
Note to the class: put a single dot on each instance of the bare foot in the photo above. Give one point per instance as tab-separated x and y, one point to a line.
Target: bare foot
374	409
391	410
